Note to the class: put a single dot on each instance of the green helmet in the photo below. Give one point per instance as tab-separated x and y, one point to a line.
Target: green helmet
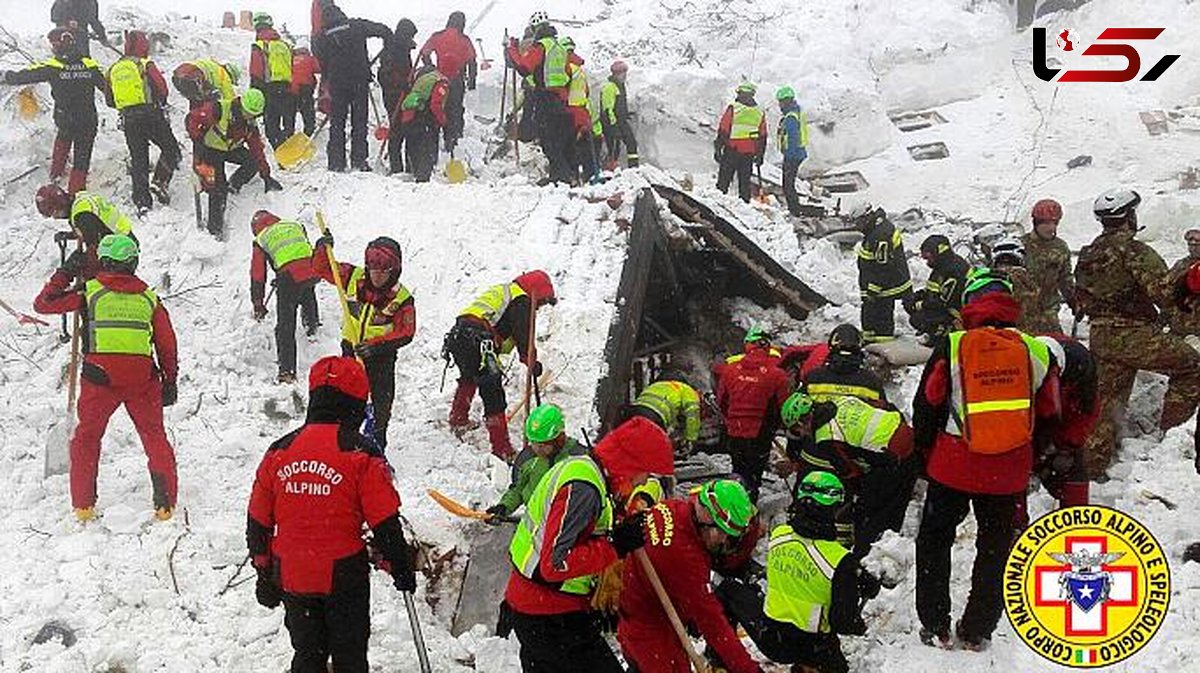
567	43
234	71
757	334
253	102
823	488
747	87
784	93
262	19
729	505
544	424
118	248
797	406
981	280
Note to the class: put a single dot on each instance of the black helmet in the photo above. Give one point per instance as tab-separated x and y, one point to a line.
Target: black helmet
935	245
866	216
845	338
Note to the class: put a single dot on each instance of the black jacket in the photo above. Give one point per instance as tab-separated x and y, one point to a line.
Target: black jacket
833	378
395	66
942	295
84	13
73	85
342	48
882	264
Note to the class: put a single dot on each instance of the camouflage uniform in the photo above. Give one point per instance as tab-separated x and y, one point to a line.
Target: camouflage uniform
1049	264
1182	322
1027	293
1122	283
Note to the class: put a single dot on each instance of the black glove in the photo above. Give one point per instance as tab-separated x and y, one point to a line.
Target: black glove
267	592
74	264
260	311
499	513
717	154
326	240
270	184
61	237
758	160
629	535
366	351
536	369
471	84
405	578
170	393
868	584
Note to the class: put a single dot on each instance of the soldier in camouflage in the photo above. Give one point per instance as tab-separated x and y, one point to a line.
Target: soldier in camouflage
1048	260
1185	322
1008	256
1123	287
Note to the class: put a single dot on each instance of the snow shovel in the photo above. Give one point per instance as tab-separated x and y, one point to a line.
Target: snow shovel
698	662
58	440
456	170
460	510
298	149
485	63
418	638
27	103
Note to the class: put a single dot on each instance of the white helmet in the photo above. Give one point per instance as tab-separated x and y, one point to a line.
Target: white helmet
1008	252
539	18
1115	203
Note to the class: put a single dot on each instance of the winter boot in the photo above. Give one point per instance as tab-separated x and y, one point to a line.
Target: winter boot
939	639
1073	494
160	192
85	514
497	427
970	642
460	408
78	181
286	377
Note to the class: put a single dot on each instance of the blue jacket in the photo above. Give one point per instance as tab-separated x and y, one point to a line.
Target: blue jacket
793	134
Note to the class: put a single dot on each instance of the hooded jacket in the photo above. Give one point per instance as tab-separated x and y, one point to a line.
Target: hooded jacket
258	58
404	321
948	459
396	64
138	46
750	393
341	47
636	446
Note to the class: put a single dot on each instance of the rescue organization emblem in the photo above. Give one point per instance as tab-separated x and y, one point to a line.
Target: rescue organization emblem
1086	586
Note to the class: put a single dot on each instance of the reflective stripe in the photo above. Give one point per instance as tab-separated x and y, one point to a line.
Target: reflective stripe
895	291
800	574
127	79
821	562
577	90
998	405
119	323
822	392
746	121
103	209
284	242
217	136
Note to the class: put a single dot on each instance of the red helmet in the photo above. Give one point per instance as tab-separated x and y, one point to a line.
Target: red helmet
261	220
137	44
52	201
619	67
346	375
537	284
1047	210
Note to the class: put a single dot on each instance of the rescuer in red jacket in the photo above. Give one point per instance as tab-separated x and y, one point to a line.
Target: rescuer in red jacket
568	536
456	60
959	431
382	317
741	141
285	248
751	388
682	538
314	490
125	329
305	68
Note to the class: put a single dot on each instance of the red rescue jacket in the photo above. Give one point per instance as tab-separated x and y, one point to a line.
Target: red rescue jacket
206	115
313	491
453	50
59	296
678	554
305	68
404	321
258	59
530	62
751	391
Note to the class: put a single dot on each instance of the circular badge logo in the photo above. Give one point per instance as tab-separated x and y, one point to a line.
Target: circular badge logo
1086	586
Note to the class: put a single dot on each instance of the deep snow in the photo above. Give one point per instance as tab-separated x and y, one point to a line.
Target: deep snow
852	64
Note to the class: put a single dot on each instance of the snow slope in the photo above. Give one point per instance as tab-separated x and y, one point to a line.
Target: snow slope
1009	136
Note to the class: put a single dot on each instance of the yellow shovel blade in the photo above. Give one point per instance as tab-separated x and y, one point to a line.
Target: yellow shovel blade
456	171
27	103
455	508
295	151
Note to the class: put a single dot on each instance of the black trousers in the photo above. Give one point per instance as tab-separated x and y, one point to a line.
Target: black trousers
218	194
878	317
556	135
454	111
279	119
564	642
348	104
527	124
781	642
735	163
619	134
585	154
463	343
145	125
750	456
881	502
75	136
290	296
790	170
421	146
396	140
381	377
945	509
305	105
337	626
